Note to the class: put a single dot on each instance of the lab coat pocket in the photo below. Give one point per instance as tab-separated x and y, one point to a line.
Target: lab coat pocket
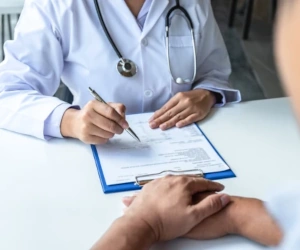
181	60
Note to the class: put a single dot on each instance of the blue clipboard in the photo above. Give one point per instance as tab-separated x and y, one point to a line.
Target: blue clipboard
131	186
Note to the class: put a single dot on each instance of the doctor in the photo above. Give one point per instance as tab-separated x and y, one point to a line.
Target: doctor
120	49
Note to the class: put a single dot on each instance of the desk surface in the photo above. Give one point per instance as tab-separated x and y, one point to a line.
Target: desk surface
51	197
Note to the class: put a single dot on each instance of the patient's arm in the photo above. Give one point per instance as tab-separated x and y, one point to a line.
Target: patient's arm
244	216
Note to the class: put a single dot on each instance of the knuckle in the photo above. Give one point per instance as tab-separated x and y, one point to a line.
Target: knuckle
168	179
112	127
189	119
102	141
122	107
168	176
109	110
182	180
90	104
165	108
159	120
166	124
86	113
85	138
94	102
85	128
84	117
214	203
156	113
180	95
188	101
197	214
110	136
170	114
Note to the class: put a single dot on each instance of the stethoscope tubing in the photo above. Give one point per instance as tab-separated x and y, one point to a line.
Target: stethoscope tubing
100	17
168	24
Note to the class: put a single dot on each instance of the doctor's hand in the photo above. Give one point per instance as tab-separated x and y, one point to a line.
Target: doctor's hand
96	123
183	109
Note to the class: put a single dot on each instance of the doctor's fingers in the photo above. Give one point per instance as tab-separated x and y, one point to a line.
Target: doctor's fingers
170	114
93	140
119	107
173	102
96	131
191	119
179	116
105	123
109	112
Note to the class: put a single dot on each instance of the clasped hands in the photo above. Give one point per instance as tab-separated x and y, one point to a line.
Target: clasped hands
191	207
182	206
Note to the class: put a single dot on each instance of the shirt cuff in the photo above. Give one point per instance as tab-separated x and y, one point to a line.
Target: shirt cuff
228	95
52	123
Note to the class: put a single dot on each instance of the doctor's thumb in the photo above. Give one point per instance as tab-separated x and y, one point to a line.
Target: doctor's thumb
210	205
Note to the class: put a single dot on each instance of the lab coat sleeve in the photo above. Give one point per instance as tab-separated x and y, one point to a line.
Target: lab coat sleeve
30	75
214	67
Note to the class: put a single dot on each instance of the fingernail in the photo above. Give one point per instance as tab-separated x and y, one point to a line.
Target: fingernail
163	126
153	125
151	119
179	125
124	124
225	199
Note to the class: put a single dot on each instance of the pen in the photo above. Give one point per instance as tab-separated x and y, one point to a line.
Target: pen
99	98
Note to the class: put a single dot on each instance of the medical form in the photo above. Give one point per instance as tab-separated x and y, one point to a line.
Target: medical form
177	149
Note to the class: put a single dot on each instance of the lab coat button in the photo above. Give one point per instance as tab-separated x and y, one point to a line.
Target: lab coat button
145	42
148	93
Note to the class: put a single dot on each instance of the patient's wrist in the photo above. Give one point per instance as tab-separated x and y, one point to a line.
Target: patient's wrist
250	219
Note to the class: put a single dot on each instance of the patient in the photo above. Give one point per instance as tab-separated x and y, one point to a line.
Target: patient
186	206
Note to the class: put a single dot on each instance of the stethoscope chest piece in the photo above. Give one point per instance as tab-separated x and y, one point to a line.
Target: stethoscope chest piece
127	68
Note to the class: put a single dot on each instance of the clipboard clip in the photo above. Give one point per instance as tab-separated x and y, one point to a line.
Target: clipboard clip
142	180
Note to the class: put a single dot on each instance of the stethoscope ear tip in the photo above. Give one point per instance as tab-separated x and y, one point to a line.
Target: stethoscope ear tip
181	81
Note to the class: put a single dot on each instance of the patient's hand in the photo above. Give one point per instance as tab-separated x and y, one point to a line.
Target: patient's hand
215	226
242	216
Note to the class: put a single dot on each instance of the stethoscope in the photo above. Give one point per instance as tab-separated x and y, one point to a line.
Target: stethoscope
128	68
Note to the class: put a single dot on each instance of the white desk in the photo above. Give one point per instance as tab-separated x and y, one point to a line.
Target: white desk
51	197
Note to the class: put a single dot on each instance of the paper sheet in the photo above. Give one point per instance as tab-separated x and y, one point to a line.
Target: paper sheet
123	158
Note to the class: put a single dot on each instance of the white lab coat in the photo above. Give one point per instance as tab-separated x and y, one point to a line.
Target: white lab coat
64	40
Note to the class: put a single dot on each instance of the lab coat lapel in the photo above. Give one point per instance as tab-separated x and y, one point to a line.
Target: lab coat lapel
155	12
127	16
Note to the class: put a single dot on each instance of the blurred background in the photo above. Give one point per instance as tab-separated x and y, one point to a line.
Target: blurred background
247	28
